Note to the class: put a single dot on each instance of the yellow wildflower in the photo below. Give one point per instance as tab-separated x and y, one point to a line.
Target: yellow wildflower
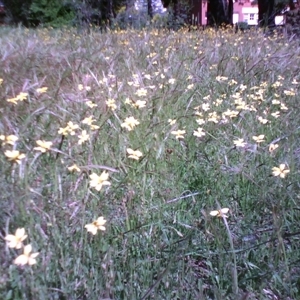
221	78
94	127
74	168
289	92
239	143
231	113
42	90
128	101
213	117
111	103
130	123
280	171
12	100
98	181
81	87
134	154
276	114
220	213
27	257
283	106
83	137
14	155
199	132
205	106
179	134
91	104
88	120
232	82
8	140
22	96
275	101
69	129
63	131
259	138
15	241
96	225
200	121
190	86
262	120
43	146
172	121
273	147
72	127
141	92
139	104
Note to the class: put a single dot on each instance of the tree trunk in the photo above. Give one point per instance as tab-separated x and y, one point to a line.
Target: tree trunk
292	5
266	13
110	13
176	9
230	12
150	8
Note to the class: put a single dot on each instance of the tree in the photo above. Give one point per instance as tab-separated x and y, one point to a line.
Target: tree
219	12
17	11
61	12
174	4
179	12
55	13
98	12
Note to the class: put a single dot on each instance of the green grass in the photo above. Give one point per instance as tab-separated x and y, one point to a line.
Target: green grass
160	240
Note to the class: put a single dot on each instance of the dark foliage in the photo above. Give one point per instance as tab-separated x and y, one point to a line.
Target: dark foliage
55	13
17	11
217	12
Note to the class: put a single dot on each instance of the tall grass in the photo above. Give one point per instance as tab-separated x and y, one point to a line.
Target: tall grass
160	242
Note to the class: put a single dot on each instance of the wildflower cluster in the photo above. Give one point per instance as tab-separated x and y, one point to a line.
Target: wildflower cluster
161	125
69	129
16	241
19	98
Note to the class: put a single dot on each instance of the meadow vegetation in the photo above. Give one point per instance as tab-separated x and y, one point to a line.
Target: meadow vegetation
149	165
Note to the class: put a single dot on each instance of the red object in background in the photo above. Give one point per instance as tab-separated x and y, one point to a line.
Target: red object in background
2	13
2	8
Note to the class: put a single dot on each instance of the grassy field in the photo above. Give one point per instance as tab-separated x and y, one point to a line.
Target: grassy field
149	165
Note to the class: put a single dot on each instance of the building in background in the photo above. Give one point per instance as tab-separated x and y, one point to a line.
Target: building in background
198	12
243	11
